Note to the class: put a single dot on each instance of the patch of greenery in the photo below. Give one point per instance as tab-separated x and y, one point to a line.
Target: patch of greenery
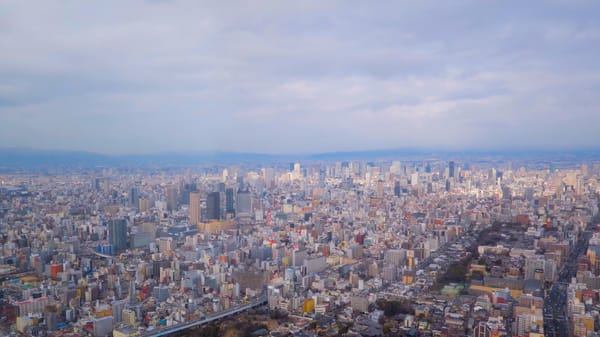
456	273
394	307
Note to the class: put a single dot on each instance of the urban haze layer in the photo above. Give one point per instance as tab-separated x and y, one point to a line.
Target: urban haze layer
396	245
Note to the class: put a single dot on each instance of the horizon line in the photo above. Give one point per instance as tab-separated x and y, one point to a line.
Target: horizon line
312	153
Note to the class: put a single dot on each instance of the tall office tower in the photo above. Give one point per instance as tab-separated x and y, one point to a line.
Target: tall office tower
396	167
143	204
584	169
579	185
194	208
96	184
322	175
229	206
117	234
397	189
428	168
492	175
244	203
380	189
506	193
185	193
414	179
213	206
451	166
225	175
269	176
297	172
171	198
132	298
134	195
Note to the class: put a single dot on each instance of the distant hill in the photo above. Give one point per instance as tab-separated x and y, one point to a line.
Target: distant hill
38	158
27	158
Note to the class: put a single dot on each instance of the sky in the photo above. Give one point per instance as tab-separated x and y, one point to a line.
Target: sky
125	77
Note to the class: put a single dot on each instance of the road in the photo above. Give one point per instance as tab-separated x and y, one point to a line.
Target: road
210	318
556	323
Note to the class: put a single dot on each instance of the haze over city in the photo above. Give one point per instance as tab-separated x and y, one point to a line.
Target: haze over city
298	77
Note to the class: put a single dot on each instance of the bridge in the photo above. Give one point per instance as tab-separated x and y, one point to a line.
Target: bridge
210	318
105	256
15	274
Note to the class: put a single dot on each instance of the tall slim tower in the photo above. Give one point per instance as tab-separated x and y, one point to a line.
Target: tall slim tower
213	206
117	234
132	298
451	168
244	203
194	208
134	195
171	198
229	207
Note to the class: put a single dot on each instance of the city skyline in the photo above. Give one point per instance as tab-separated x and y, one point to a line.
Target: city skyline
166	76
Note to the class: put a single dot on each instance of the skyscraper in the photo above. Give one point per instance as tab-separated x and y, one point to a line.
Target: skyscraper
229	207
244	203
396	167
185	192
171	198
117	234
194	208
213	206
132	297
451	166
134	195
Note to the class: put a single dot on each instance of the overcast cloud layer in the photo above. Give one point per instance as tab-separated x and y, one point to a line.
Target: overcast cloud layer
295	76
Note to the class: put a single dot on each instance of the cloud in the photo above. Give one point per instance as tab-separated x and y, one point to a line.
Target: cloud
149	76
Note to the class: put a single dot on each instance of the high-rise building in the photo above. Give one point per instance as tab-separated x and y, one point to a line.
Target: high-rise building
143	204
131	295
396	167
322	175
171	198
451	168
269	176
117	310
194	208
397	189
229	206
506	193
213	206
414	179
185	193
380	189
133	197
244	203
117	234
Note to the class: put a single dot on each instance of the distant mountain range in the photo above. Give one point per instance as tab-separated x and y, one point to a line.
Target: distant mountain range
11	157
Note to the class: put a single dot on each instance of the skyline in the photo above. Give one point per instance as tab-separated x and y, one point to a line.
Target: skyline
179	77
35	159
